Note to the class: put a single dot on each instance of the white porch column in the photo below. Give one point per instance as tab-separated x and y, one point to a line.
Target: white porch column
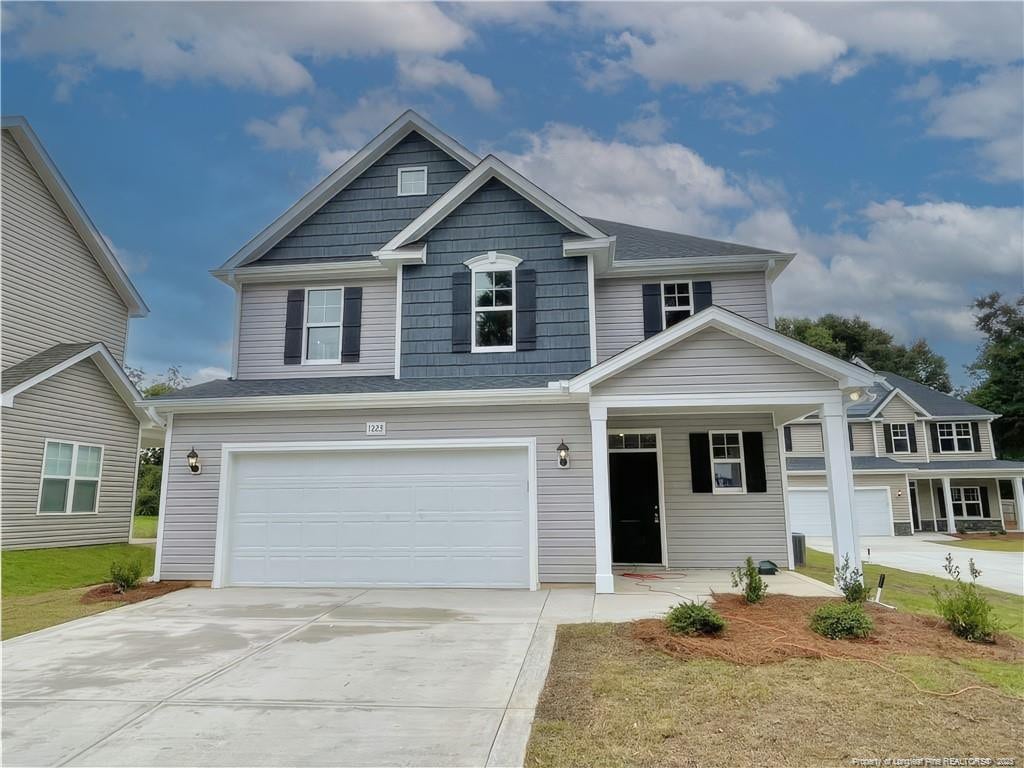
839	474
604	581
947	495
1018	500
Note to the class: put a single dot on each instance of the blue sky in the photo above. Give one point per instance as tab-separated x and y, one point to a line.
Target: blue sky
882	142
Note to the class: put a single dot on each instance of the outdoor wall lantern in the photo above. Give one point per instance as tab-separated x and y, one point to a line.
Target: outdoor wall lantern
563	455
193	462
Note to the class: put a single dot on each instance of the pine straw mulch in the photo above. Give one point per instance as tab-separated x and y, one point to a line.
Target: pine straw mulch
106	593
777	630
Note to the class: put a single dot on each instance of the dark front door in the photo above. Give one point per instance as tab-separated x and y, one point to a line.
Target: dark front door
913	507
636	516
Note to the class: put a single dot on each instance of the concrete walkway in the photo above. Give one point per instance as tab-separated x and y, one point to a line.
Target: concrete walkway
346	677
924	553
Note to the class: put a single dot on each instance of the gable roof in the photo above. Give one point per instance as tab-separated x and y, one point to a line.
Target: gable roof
846	374
639	243
26	139
48	363
935	403
344	175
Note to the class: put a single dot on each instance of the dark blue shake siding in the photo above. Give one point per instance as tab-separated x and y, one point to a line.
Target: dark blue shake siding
368	212
496	219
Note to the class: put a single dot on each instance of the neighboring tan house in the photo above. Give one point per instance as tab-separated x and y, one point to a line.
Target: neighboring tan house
443	376
71	422
916	453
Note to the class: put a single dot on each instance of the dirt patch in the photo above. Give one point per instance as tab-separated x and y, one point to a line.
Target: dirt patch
106	593
777	630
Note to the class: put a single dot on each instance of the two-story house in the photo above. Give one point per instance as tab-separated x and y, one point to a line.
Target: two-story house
72	421
916	454
444	376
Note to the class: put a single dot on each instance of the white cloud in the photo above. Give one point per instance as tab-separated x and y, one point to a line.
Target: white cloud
286	131
427	72
648	126
133	263
736	117
209	373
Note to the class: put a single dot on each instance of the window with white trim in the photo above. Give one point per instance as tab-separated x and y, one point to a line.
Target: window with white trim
412	181
900	438
727	462
321	334
955	437
966	501
71	478
494	302
633	441
676	302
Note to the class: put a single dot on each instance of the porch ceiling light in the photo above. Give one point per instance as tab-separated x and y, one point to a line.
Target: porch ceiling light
192	458
855	395
563	455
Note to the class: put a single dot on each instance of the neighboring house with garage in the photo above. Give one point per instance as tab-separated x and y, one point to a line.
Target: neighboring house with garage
916	454
444	376
71	420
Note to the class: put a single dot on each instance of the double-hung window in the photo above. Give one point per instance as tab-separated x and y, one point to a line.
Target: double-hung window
676	302
900	438
727	462
966	501
955	437
494	302
412	181
322	331
71	478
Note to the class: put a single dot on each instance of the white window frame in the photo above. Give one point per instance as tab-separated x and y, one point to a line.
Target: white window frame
72	478
666	309
711	453
953	427
492	261
962	503
905	437
306	325
411	169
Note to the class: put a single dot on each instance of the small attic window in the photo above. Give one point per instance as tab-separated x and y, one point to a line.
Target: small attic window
412	181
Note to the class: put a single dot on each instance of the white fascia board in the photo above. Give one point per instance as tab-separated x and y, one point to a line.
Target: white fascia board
51	177
327	271
413	254
971	417
344	175
847	375
490	168
768	263
896	392
445	398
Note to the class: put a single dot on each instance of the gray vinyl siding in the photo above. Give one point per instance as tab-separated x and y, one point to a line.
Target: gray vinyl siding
863	442
899	411
54	291
806	439
369	212
714	361
984	432
76	405
262	327
564	496
619	305
495	218
898	495
807	481
706	530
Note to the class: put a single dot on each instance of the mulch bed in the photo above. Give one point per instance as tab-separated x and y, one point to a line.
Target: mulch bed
106	593
777	630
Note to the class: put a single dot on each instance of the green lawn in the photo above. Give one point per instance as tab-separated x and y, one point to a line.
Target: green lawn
144	526
42	587
913	591
1008	543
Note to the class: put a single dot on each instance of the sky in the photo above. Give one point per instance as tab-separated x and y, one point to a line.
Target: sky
883	143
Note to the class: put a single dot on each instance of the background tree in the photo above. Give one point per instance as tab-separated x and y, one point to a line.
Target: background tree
999	370
849	337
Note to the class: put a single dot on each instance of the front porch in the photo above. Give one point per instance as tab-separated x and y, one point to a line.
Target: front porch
981	502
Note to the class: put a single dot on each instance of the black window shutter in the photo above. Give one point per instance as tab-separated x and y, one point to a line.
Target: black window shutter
700	462
753	462
293	326
351	324
887	431
985	509
701	295
849	433
940	501
526	309
933	430
787	433
653	321
912	434
462	325
976	433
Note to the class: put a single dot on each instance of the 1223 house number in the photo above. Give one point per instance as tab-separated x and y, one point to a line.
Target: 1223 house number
376	428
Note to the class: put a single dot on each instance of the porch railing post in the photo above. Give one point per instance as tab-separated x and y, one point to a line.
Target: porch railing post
1018	501
840	483
604	581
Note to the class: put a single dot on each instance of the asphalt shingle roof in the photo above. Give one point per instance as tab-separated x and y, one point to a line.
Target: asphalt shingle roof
817	464
633	242
935	402
40	363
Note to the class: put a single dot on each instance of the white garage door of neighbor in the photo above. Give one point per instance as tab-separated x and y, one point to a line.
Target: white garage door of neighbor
808	512
431	518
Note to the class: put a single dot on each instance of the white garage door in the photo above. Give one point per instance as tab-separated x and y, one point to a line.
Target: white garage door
808	512
438	517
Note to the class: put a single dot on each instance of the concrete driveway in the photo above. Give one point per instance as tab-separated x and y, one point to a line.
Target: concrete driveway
924	553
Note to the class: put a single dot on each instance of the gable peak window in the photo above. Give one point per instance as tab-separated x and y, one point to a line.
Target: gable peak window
676	302
322	327
900	438
71	478
955	437
412	181
727	462
494	302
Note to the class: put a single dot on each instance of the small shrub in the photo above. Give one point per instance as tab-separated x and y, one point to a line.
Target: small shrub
147	495
694	619
841	620
125	576
964	608
851	582
749	580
